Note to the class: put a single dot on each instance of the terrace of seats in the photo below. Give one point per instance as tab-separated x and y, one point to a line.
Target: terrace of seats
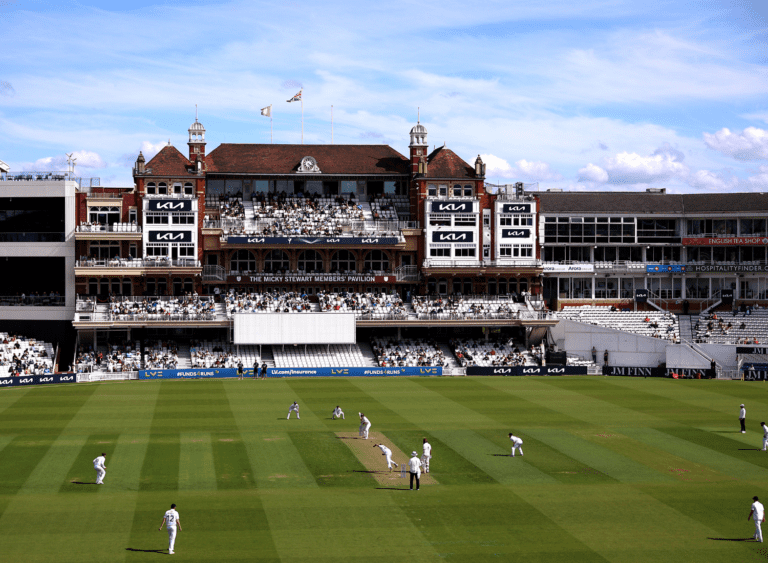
24	356
391	352
482	353
292	215
219	354
334	355
188	307
363	305
494	307
273	302
110	358
744	328
656	324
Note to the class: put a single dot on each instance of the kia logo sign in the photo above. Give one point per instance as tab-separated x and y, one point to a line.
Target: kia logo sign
503	371
515	233
452	236
531	370
170	236
556	370
516	208
170	205
451	207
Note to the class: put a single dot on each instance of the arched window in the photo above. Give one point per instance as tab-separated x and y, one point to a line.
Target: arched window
502	286
456	285
188	285
151	289
467	286
343	261
442	286
512	285
457	190
177	287
188	188
151	188
492	287
523	284
243	262
177	188
276	260
310	261
93	286
376	260
162	188
431	286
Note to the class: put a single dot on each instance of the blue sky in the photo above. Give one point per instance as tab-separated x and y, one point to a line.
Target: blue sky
600	94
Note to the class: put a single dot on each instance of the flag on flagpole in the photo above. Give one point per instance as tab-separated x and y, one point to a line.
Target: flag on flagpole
296	98
267	111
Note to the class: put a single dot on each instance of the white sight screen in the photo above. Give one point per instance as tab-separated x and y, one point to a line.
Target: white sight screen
299	328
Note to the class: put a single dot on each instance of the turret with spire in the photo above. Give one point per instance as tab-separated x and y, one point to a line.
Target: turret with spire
196	140
419	149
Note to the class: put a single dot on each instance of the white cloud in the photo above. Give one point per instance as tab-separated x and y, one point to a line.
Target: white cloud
83	159
593	173
497	167
750	144
631	168
708	180
149	149
758	181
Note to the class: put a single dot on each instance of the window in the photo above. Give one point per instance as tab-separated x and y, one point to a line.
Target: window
465	221
104	249
431	190
183	219
467	193
442	189
132	215
188	188
505	221
156	219
104	215
162	188
465	252
456	190
151	188
276	260
440	252
376	260
440	220
157	250
177	188
186	251
311	261
343	261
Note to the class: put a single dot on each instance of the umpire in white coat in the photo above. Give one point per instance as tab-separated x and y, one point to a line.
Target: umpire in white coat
414	467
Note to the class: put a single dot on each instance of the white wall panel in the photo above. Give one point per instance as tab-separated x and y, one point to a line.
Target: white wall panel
299	328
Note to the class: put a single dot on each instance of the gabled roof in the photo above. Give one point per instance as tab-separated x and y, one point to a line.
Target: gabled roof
4	167
444	163
285	159
169	162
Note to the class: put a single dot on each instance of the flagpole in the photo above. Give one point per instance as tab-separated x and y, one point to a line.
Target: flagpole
270	124
331	124
302	116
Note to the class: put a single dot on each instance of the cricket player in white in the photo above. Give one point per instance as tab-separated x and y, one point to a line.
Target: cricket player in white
171	520
765	435
365	426
337	413
387	452
101	469
292	408
426	456
517	443
758	515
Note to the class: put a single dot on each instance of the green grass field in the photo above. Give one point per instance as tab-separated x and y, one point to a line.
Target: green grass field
615	469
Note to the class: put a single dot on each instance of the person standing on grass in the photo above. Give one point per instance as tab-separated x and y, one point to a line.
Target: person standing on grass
337	413
426	456
743	419
765	435
264	370
240	369
758	515
517	443
387	452
414	467
605	358
101	469
256	369
171	520
293	408
365	426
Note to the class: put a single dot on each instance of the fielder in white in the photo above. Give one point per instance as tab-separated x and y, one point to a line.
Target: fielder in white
517	443
765	435
101	469
292	408
365	426
387	452
171	520
758	515
337	413
426	456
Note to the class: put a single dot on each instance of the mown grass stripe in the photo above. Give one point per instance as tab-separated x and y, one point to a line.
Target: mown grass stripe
599	458
330	461
724	457
196	467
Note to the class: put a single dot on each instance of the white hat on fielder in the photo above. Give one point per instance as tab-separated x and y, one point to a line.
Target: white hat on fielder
414	454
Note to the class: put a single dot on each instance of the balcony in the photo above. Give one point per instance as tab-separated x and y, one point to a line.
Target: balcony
123	231
50	177
511	263
109	266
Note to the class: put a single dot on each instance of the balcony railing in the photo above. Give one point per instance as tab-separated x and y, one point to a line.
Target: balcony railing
440	263
170	196
138	263
113	228
31	301
49	177
257	227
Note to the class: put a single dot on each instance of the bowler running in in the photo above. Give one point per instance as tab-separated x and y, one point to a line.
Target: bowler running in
387	452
